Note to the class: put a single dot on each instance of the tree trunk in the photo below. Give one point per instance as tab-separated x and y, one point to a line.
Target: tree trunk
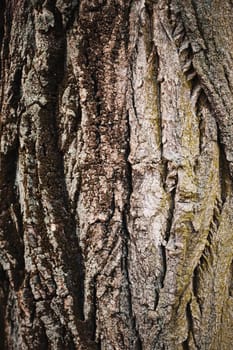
116	219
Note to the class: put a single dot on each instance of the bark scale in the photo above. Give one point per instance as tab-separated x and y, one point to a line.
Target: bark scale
116	173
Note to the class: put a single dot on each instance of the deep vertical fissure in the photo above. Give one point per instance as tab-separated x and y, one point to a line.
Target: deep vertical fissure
73	257
191	329
126	236
2	11
4	289
158	98
224	170
195	282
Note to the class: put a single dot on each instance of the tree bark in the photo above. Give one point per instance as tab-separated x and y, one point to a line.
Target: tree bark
116	169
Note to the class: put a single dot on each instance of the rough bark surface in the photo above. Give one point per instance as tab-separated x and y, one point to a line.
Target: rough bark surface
116	170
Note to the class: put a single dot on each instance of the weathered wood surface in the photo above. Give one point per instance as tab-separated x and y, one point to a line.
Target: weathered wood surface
116	168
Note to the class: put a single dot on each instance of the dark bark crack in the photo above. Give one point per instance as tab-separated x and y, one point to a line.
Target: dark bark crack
126	237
